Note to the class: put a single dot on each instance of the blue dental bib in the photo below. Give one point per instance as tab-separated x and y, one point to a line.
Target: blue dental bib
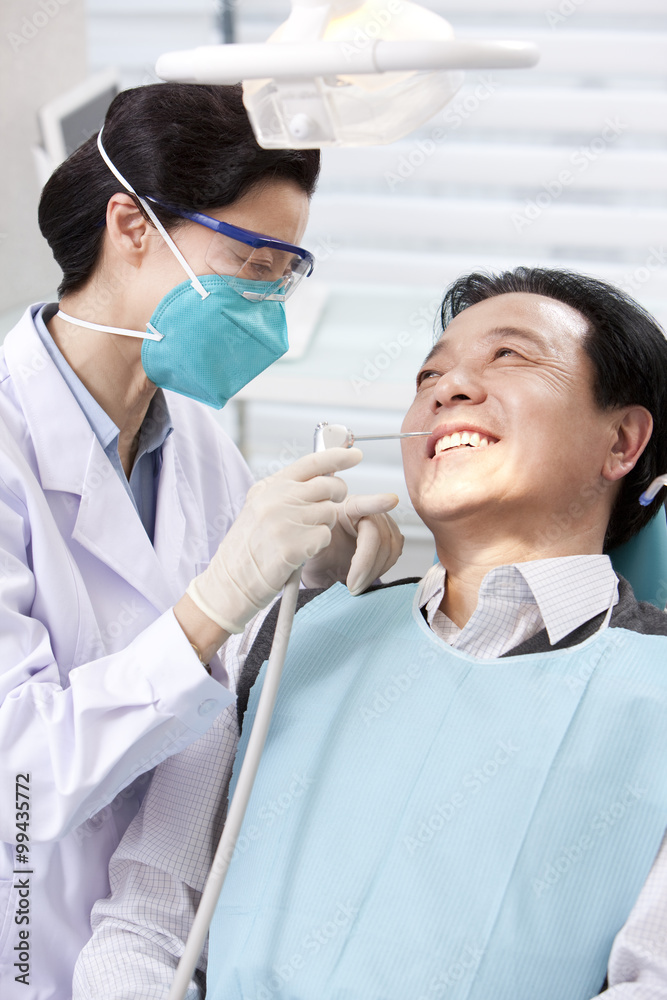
425	823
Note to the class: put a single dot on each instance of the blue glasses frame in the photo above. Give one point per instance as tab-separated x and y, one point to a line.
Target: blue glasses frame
246	236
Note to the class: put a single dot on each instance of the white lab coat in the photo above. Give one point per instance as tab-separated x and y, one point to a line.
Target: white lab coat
98	683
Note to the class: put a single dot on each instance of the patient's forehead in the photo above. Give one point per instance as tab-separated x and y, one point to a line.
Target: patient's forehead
552	325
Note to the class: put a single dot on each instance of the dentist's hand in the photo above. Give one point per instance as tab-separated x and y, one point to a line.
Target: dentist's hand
365	543
287	519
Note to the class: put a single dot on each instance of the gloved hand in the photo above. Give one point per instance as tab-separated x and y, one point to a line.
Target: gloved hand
287	518
365	543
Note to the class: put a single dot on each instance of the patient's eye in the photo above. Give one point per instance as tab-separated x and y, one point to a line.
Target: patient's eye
426	375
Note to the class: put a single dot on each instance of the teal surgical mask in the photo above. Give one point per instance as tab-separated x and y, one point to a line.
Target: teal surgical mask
205	339
210	348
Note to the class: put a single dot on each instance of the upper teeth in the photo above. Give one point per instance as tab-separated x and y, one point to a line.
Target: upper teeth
455	440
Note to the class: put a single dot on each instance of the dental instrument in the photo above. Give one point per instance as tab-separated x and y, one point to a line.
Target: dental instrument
338	436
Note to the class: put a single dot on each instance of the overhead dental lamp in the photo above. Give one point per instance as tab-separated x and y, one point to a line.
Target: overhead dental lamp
346	72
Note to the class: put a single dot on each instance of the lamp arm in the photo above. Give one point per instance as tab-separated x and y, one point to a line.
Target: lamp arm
229	64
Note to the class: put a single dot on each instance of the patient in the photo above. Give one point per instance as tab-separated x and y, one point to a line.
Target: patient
464	790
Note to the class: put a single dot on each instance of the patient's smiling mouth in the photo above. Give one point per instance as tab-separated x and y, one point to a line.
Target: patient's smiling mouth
448	439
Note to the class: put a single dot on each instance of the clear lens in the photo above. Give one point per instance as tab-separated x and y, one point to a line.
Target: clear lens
231	258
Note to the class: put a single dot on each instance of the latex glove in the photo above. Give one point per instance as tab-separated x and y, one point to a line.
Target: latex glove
287	518
365	543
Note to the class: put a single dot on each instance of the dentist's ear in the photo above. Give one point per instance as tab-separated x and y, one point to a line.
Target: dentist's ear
127	228
632	432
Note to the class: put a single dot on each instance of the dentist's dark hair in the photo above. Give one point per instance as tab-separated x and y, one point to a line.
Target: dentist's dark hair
628	352
188	145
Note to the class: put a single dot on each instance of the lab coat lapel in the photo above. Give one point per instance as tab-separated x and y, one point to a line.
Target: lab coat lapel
70	459
108	525
60	434
170	519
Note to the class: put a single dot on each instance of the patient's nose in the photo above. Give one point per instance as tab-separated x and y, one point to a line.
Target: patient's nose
460	384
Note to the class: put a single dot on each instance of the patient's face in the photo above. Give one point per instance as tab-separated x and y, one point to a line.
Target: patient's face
511	376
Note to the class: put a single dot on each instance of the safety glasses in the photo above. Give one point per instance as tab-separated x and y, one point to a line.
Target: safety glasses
241	253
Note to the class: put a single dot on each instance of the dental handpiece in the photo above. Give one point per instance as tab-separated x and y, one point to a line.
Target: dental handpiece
338	436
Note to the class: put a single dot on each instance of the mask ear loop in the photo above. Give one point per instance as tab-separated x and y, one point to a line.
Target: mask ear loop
154	335
194	280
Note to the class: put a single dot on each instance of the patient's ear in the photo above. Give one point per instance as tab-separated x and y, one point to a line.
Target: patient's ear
632	429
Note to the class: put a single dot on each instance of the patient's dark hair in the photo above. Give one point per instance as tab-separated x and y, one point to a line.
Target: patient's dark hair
190	146
628	351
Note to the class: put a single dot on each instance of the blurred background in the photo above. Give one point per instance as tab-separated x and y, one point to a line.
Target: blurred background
563	165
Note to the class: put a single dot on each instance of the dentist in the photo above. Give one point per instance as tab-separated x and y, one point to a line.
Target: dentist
178	240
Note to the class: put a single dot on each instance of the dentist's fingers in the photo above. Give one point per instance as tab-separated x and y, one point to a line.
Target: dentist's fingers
287	519
360	505
379	540
320	463
297	493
